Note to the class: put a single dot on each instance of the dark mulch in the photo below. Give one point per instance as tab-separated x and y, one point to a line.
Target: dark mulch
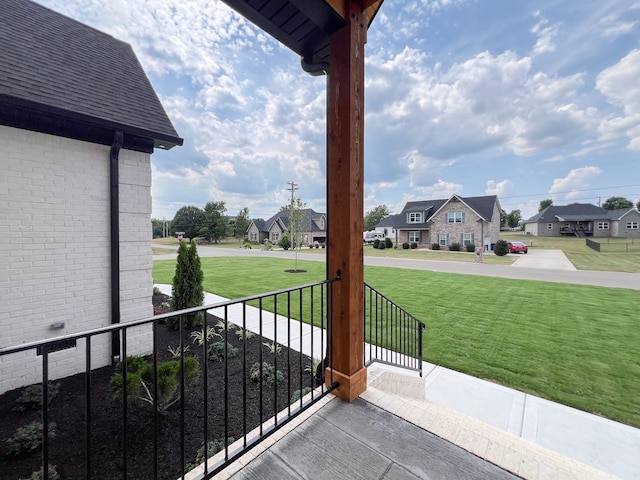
67	451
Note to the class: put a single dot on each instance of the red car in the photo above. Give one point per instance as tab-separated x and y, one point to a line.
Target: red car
518	247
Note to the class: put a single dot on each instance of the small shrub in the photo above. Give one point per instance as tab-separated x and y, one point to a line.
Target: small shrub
388	242
216	351
273	347
199	335
298	394
39	474
213	447
435	246
414	245
455	247
501	248
28	439
31	397
471	247
177	352
405	245
376	243
285	242
156	290
140	380
222	326
269	373
246	245
244	334
382	245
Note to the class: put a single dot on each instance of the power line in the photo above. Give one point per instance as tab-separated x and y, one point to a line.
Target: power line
293	188
569	191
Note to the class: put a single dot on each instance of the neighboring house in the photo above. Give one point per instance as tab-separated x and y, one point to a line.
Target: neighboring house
387	227
463	220
79	121
584	220
314	227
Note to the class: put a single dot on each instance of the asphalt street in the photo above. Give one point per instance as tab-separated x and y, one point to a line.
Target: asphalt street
542	265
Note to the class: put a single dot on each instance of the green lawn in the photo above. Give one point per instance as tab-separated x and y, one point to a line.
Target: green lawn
577	345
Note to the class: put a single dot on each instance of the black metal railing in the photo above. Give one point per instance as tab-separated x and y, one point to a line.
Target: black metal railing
391	334
281	331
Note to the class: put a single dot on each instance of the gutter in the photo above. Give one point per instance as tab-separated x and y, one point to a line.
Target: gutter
114	157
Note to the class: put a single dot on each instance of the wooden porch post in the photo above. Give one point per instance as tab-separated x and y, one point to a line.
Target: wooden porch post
345	177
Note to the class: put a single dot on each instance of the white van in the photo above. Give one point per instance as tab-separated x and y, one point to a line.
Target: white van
370	237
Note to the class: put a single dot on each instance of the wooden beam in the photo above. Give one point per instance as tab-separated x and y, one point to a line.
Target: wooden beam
370	6
345	204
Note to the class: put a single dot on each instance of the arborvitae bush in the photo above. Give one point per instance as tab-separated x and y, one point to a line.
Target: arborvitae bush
435	246
501	248
471	247
414	245
405	245
28	439
455	247
216	351
31	397
388	242
187	290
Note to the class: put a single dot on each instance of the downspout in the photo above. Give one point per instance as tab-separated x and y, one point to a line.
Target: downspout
114	157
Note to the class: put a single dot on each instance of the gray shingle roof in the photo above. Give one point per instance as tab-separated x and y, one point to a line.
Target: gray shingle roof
53	66
283	217
571	212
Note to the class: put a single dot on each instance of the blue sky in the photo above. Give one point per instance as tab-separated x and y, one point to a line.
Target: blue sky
524	99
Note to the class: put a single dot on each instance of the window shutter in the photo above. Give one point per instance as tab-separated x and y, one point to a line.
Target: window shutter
462	239
462	217
447	238
472	239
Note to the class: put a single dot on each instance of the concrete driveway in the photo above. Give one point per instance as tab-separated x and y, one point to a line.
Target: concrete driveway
541	258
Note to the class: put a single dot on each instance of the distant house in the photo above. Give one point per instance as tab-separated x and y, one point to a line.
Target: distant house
314	227
584	220
462	220
78	123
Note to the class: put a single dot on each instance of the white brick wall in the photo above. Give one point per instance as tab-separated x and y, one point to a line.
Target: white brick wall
54	264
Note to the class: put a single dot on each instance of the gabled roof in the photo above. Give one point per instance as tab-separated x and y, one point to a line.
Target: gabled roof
482	206
62	77
571	212
309	217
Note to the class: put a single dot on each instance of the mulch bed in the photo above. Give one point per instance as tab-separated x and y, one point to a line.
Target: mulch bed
67	450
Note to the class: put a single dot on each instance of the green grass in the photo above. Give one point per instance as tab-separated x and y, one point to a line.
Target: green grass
611	259
577	345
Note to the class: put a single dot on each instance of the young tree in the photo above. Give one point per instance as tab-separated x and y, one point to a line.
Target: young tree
242	223
215	224
614	203
513	218
189	220
545	203
503	218
187	290
374	216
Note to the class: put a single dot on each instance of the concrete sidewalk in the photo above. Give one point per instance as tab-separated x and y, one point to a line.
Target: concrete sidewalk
605	445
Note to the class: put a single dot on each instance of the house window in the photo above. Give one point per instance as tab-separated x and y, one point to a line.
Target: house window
467	239
254	237
603	225
443	239
414	236
632	225
275	236
549	226
415	217
455	217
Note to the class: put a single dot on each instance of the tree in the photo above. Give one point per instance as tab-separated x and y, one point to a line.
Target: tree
501	248
187	290
189	220
375	216
242	223
614	203
638	205
503	218
215	224
545	203
513	218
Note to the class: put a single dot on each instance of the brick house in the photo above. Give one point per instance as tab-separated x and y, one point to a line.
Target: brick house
463	220
79	121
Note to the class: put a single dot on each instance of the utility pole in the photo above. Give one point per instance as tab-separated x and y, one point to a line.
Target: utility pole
293	188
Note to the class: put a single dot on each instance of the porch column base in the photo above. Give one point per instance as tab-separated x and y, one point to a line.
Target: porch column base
351	386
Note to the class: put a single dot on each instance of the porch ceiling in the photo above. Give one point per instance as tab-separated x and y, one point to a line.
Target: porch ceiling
304	26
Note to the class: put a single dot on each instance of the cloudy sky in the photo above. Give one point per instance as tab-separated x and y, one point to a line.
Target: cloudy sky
525	99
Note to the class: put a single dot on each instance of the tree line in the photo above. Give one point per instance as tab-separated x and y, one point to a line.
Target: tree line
210	222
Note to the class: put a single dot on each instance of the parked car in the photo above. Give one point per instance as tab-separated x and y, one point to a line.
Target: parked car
518	247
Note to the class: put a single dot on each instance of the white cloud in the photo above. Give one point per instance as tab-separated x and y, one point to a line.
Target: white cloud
619	83
545	34
576	180
501	189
